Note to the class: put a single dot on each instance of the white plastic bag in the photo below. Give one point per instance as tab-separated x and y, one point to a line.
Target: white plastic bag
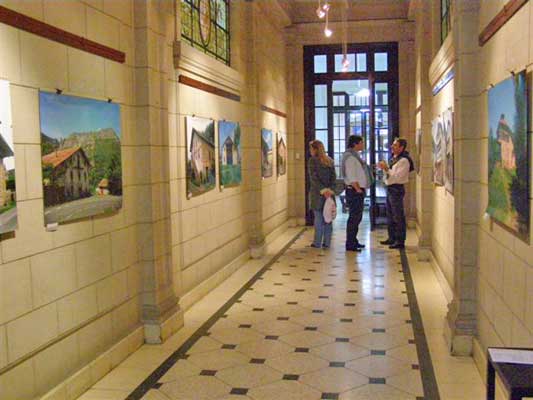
330	210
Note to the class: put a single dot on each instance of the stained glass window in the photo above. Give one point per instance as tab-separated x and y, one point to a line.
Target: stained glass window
205	26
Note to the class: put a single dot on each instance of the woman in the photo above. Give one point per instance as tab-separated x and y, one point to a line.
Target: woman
322	183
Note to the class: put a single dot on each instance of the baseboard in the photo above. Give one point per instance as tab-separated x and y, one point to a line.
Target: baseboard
480	358
445	286
77	384
194	295
276	232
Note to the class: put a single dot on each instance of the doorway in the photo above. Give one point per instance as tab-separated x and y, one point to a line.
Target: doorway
359	100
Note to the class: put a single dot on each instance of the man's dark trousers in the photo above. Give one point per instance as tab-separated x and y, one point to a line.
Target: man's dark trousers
395	213
356	204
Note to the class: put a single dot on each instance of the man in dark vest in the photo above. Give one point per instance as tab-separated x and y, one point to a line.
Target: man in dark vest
396	176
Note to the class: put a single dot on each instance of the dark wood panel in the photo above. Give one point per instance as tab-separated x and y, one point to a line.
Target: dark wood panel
273	111
31	25
506	13
208	88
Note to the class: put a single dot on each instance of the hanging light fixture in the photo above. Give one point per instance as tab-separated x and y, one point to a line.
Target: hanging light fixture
345	60
326	6
320	13
327	32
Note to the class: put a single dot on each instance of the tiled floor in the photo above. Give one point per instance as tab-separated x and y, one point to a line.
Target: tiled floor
316	324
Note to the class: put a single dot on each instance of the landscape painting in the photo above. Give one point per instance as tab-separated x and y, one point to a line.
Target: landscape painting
281	154
438	151
201	175
508	155
267	165
447	129
8	200
81	157
230	156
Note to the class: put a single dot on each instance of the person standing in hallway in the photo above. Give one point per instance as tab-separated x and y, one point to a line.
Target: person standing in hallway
322	178
356	179
396	176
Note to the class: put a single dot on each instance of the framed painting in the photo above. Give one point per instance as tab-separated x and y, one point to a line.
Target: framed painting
8	198
267	159
447	129
438	151
508	155
281	151
418	144
81	157
230	156
201	174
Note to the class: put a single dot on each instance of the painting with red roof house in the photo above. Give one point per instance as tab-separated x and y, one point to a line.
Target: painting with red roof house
8	198
81	157
508	155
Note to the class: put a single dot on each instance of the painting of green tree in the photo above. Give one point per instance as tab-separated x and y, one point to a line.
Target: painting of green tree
508	155
229	142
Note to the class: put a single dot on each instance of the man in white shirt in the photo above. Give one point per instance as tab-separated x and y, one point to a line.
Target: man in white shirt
356	180
396	176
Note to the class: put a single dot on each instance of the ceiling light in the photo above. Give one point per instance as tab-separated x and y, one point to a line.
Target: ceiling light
320	13
328	32
325	6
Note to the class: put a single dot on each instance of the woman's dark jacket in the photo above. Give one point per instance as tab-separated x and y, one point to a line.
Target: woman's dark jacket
320	177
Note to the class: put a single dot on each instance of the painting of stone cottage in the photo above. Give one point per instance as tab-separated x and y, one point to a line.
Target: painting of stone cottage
447	129
8	204
201	175
267	164
281	154
438	147
81	157
509	164
230	156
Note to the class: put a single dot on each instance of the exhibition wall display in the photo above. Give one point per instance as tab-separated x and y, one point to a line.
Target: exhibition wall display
230	153
281	154
8	198
201	174
81	157
267	158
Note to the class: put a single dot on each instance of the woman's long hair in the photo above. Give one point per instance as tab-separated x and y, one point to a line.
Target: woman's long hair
321	153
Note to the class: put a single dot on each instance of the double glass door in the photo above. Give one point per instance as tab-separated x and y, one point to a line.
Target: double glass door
359	102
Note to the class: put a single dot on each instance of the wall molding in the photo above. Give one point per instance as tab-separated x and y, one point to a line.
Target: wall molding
273	111
505	14
206	87
42	29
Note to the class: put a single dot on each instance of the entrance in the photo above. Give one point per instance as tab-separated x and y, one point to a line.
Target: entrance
361	100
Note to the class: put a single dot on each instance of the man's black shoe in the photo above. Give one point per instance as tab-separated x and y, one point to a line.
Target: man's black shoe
360	246
358	249
388	241
397	245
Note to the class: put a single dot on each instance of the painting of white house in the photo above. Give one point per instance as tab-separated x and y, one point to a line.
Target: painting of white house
509	165
201	175
81	157
230	156
267	158
281	152
8	201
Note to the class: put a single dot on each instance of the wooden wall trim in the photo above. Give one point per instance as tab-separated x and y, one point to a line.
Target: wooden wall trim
273	111
208	88
505	14
31	25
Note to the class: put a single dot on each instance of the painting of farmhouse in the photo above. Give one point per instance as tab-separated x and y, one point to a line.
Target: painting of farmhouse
267	162
282	154
8	205
200	155
81	157
447	129
229	142
508	155
438	151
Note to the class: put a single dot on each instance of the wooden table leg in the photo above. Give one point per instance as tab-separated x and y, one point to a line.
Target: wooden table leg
491	381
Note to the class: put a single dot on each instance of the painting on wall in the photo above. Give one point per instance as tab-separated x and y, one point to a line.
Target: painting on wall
447	129
230	158
81	157
508	163
201	175
438	151
281	154
267	164
8	200
418	144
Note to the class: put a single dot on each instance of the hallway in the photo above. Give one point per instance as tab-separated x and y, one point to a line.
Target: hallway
310	324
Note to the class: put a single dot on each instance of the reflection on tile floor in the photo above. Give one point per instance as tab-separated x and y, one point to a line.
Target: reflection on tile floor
317	324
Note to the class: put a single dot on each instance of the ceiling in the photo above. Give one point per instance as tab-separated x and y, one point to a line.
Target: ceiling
304	11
